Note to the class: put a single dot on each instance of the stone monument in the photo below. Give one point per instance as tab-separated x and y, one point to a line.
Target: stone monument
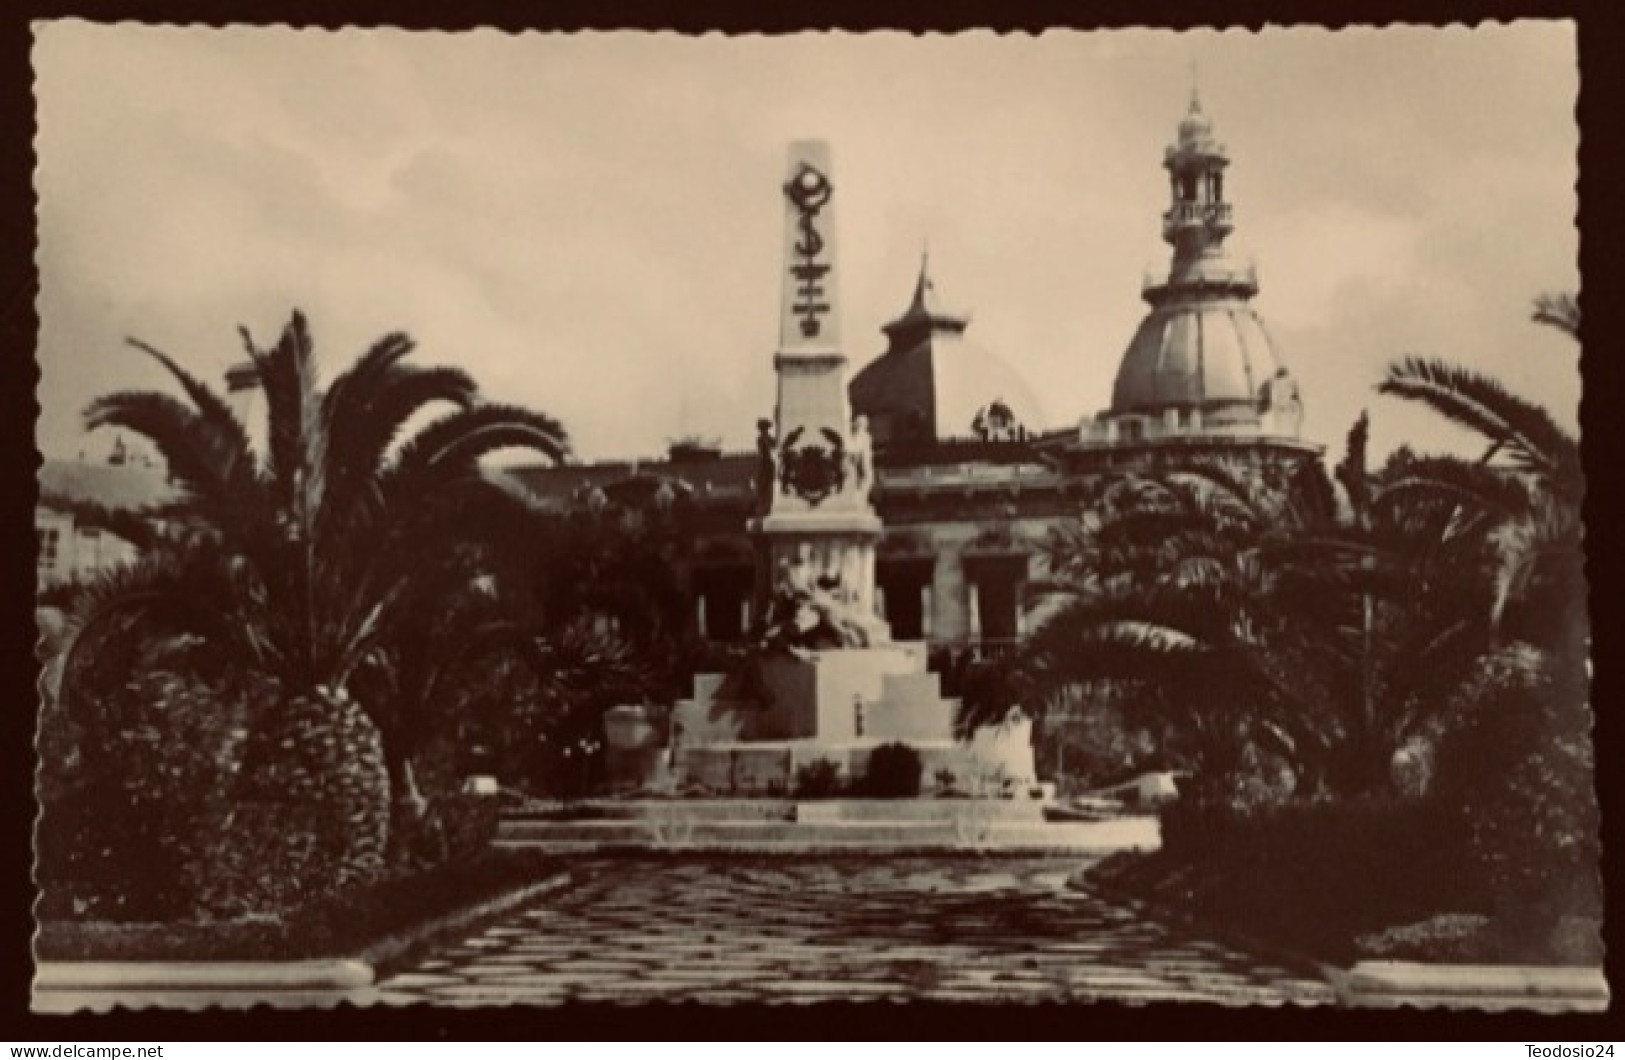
832	684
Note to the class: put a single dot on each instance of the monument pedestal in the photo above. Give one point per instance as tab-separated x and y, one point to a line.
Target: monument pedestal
838	706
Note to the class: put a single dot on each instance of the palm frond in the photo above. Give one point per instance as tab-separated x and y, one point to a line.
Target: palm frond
1444	481
1560	310
363	430
1523	430
295	434
197	459
580	661
452	445
353	390
1221	490
1309	499
155	596
231	434
1352	471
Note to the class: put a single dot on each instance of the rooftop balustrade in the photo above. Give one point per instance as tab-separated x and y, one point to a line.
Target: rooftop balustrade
1183	213
1212	273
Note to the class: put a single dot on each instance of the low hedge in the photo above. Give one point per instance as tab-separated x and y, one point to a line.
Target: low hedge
1457	938
341	925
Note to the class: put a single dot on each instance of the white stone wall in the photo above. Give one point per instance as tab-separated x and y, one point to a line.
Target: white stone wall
78	552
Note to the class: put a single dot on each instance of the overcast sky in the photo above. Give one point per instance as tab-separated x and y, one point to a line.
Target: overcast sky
590	223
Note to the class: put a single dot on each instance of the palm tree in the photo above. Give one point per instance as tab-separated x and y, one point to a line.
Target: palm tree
1169	582
1525	490
302	563
1256	617
1521	771
480	616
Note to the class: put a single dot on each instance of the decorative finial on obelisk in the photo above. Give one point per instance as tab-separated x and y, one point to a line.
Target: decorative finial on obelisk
810	315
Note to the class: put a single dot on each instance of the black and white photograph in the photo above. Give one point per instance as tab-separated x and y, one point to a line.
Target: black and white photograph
629	517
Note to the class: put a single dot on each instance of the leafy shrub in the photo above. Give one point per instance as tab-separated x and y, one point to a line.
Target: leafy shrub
454	826
818	779
268	859
135	793
1517	775
893	772
469	823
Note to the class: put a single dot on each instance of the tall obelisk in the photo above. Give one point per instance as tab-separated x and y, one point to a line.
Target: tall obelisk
814	516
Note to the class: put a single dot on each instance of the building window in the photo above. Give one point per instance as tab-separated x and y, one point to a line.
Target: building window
901	590
995	607
994	593
50	539
722	602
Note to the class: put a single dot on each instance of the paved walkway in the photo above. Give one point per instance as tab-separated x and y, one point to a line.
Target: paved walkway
936	929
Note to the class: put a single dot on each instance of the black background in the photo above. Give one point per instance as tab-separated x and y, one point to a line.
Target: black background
1601	115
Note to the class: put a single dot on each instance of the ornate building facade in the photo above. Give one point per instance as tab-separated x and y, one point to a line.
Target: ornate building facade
967	481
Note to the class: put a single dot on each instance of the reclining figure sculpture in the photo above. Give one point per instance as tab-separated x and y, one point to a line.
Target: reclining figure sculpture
808	613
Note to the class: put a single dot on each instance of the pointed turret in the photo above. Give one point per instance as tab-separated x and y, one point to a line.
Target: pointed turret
924	314
931	384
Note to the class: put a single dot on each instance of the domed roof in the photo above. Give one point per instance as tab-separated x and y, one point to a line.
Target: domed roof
932	384
1195	352
1196	133
1195	127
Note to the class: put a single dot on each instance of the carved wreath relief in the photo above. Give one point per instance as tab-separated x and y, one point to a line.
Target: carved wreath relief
812	471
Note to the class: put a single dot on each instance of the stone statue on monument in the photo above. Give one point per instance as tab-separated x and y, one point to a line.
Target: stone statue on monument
767	465
861	455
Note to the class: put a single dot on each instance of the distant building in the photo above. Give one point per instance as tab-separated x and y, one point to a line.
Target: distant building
68	548
969	480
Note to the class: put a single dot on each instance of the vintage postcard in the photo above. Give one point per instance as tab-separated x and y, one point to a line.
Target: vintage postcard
630	517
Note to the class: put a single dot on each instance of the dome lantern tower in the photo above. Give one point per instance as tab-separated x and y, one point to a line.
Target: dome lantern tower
1199	218
1201	362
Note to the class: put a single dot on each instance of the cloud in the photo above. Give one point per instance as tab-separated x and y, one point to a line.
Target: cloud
589	222
1319	256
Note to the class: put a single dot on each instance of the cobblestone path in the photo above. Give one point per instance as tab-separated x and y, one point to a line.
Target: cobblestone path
835	929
